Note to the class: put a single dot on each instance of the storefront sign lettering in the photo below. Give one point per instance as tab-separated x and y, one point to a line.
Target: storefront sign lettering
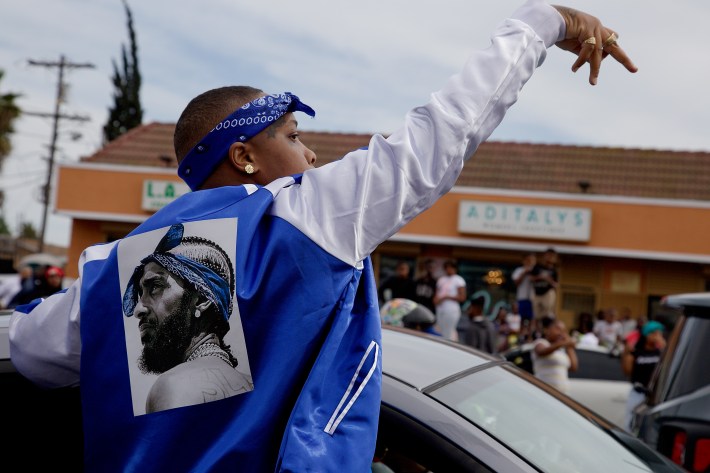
157	194
536	221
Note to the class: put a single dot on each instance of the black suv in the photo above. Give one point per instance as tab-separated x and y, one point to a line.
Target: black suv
675	417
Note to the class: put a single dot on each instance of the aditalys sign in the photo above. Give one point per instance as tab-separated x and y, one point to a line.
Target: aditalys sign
532	221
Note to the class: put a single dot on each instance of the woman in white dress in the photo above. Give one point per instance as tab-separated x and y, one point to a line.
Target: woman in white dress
450	293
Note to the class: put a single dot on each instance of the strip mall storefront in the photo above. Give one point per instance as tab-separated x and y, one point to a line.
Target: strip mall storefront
614	251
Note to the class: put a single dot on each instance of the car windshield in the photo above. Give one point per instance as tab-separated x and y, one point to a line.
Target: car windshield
549	434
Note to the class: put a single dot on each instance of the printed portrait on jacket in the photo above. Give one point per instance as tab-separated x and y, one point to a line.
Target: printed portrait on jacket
184	336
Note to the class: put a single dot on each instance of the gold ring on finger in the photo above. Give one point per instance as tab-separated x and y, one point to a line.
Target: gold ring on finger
591	40
611	40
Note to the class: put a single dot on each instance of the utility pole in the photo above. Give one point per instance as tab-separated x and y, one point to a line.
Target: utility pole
62	64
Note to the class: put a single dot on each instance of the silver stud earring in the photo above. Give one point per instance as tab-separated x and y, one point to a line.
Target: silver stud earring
249	169
197	313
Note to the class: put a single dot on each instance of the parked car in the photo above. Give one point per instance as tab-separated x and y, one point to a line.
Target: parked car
599	382
675	416
445	408
449	408
37	426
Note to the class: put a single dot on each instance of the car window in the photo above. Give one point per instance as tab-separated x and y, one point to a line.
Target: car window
539	427
592	364
405	445
683	367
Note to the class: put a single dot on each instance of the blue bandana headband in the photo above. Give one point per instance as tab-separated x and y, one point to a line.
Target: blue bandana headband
242	125
207	282
199	262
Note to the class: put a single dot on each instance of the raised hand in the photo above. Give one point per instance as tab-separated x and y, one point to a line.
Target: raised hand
591	41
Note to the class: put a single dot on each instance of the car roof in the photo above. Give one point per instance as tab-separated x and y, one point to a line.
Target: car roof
691	299
421	360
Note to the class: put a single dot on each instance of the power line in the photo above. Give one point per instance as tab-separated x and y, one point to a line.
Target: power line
62	64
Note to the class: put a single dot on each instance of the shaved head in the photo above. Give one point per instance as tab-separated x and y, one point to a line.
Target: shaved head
205	111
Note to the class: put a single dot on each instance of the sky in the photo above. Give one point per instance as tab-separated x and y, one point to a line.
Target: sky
361	65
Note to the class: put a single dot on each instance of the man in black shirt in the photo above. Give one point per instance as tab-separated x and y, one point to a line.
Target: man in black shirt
544	281
639	362
425	287
399	286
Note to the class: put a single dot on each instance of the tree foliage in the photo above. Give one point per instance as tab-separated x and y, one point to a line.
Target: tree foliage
9	111
126	112
4	229
27	230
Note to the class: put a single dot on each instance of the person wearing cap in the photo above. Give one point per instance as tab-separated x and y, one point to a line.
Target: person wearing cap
639	361
52	281
300	240
401	312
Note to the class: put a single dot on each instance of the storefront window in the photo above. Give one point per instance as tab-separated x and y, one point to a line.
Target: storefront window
492	281
579	300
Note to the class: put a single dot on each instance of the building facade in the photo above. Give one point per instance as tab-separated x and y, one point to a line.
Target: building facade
630	226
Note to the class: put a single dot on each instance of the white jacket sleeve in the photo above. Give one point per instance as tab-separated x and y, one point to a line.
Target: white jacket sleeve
350	206
45	339
45	344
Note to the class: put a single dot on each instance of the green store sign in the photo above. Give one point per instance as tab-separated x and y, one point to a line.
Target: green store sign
157	194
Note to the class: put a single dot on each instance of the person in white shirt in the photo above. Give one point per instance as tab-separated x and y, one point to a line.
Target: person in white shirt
450	293
609	329
628	322
554	354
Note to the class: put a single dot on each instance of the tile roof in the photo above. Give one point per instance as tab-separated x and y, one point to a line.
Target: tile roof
500	165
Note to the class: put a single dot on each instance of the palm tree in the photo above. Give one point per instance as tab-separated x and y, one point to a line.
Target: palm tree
9	111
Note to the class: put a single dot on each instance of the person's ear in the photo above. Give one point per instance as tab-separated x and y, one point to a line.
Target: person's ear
201	308
242	158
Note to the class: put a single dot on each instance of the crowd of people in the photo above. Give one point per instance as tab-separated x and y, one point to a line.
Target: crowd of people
29	283
461	316
529	318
